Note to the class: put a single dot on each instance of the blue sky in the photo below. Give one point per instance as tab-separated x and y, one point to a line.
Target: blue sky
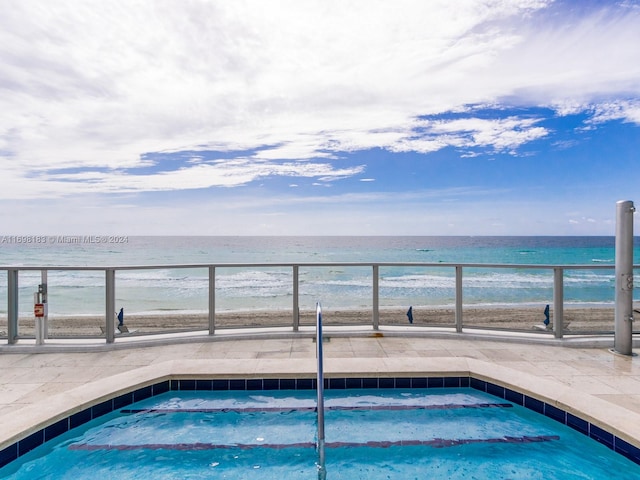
357	117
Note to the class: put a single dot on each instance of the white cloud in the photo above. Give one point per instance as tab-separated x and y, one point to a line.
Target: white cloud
88	87
575	59
95	84
628	111
506	134
203	175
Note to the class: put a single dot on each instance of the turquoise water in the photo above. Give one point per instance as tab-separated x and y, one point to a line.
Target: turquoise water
185	290
370	434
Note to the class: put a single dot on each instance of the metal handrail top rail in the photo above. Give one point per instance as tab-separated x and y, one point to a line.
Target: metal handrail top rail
310	264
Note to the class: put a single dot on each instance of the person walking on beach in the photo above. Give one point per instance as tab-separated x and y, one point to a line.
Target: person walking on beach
120	318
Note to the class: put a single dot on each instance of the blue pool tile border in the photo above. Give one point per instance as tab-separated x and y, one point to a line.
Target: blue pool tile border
13	452
586	428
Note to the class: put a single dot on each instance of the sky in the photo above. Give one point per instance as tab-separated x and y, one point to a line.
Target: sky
328	117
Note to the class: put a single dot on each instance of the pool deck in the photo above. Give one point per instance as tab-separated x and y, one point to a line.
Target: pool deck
593	381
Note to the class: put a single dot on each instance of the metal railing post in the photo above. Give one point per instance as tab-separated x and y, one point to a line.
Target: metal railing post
12	306
296	298
376	297
212	300
43	282
110	304
459	298
623	341
558	302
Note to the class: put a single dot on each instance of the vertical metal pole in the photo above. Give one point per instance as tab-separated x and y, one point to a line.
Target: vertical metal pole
12	306
320	390
110	304
296	298
459	298
623	342
212	300
43	282
376	297
558	302
39	321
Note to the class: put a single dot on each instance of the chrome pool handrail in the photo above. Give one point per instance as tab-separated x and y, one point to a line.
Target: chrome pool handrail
320	390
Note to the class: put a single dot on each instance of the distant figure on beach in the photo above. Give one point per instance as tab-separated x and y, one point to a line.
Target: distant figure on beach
410	314
121	317
546	315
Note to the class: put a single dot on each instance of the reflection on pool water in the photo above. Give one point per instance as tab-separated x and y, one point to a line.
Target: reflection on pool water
444	433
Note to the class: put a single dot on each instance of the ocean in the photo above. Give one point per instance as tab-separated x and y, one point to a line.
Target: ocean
180	290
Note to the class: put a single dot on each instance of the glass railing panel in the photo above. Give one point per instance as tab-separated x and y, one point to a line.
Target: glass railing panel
589	300
165	299
417	295
162	300
636	302
3	304
253	296
76	303
28	282
345	291
507	298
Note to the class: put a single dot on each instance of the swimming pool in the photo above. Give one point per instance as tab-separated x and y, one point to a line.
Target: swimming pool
372	433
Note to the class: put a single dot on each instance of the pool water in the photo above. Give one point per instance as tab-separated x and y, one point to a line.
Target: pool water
370	434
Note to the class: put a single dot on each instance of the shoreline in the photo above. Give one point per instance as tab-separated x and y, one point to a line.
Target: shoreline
525	318
365	308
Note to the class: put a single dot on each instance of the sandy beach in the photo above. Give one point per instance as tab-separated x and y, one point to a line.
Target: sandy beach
576	320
